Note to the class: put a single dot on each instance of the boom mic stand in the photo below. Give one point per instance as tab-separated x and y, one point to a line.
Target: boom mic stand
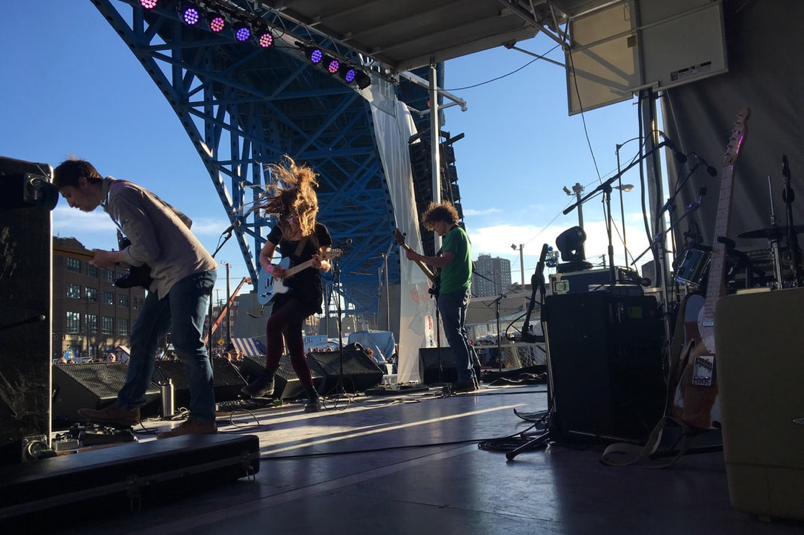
227	236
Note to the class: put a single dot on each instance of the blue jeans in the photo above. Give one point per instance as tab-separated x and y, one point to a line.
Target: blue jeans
452	307
182	311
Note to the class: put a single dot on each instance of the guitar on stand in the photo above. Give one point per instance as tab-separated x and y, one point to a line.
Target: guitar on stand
269	287
692	391
433	276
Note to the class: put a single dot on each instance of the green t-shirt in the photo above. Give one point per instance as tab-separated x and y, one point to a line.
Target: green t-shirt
458	274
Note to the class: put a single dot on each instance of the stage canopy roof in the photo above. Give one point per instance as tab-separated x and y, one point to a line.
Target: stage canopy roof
406	35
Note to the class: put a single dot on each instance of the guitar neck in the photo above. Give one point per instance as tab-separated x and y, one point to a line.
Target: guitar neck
78	254
427	271
716	287
295	269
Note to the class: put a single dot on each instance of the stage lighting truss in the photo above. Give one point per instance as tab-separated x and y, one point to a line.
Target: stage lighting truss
333	65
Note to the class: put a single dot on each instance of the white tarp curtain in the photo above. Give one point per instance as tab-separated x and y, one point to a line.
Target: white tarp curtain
380	342
393	127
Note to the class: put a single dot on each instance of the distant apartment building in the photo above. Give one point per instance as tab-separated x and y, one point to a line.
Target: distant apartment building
91	317
492	276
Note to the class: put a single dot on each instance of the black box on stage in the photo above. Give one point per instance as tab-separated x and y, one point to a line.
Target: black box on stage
286	382
92	385
605	365
359	371
585	281
227	380
26	273
429	360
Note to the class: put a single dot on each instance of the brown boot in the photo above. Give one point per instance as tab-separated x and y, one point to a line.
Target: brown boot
112	415
191	427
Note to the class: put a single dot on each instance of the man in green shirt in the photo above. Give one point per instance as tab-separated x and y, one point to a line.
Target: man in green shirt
454	292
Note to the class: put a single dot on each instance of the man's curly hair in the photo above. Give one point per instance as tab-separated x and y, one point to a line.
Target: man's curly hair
444	211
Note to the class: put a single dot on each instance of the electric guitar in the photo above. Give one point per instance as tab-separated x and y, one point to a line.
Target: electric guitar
433	275
269	287
693	388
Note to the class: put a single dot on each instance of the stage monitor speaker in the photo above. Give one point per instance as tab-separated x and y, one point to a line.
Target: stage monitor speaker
25	307
286	383
227	385
605	365
359	371
92	385
429	358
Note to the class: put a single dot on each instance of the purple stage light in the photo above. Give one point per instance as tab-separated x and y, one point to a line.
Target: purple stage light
190	16
266	39
347	73
243	34
333	66
148	4
217	23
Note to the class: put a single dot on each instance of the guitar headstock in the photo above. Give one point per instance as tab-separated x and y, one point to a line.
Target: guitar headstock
333	253
738	134
399	237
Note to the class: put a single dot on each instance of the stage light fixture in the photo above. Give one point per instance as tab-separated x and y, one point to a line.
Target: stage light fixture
331	64
347	73
314	54
242	33
148	4
363	80
216	22
190	14
265	38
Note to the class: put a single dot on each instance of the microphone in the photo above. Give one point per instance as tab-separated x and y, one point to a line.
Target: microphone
669	143
231	227
709	169
347	241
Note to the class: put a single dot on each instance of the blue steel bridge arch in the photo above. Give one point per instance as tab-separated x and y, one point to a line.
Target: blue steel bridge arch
243	107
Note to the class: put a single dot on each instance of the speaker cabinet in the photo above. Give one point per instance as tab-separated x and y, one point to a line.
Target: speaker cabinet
437	365
227	380
92	385
25	308
359	371
604	365
286	383
759	354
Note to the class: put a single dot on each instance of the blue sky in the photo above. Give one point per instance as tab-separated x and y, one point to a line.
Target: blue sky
70	86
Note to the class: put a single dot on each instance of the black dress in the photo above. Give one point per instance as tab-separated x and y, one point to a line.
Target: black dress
305	285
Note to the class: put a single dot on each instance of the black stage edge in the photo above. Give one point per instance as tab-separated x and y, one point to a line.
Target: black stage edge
126	472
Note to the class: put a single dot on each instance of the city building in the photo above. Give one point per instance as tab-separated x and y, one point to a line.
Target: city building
91	317
492	276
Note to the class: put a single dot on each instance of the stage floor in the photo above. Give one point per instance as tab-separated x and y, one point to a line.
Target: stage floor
411	465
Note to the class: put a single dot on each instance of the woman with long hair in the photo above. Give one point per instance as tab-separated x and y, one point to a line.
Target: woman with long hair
299	238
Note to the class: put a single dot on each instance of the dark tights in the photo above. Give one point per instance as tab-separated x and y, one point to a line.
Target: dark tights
286	320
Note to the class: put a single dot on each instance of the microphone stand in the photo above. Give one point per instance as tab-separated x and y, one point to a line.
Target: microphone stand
336	283
228	235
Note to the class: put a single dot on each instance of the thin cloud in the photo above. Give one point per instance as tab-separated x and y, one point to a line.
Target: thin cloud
487	211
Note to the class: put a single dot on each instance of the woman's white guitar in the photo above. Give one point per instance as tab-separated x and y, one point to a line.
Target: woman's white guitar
268	287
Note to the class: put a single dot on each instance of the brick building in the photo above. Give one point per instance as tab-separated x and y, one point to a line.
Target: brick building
91	317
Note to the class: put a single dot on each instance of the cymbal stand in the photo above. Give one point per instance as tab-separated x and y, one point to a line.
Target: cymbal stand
792	237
